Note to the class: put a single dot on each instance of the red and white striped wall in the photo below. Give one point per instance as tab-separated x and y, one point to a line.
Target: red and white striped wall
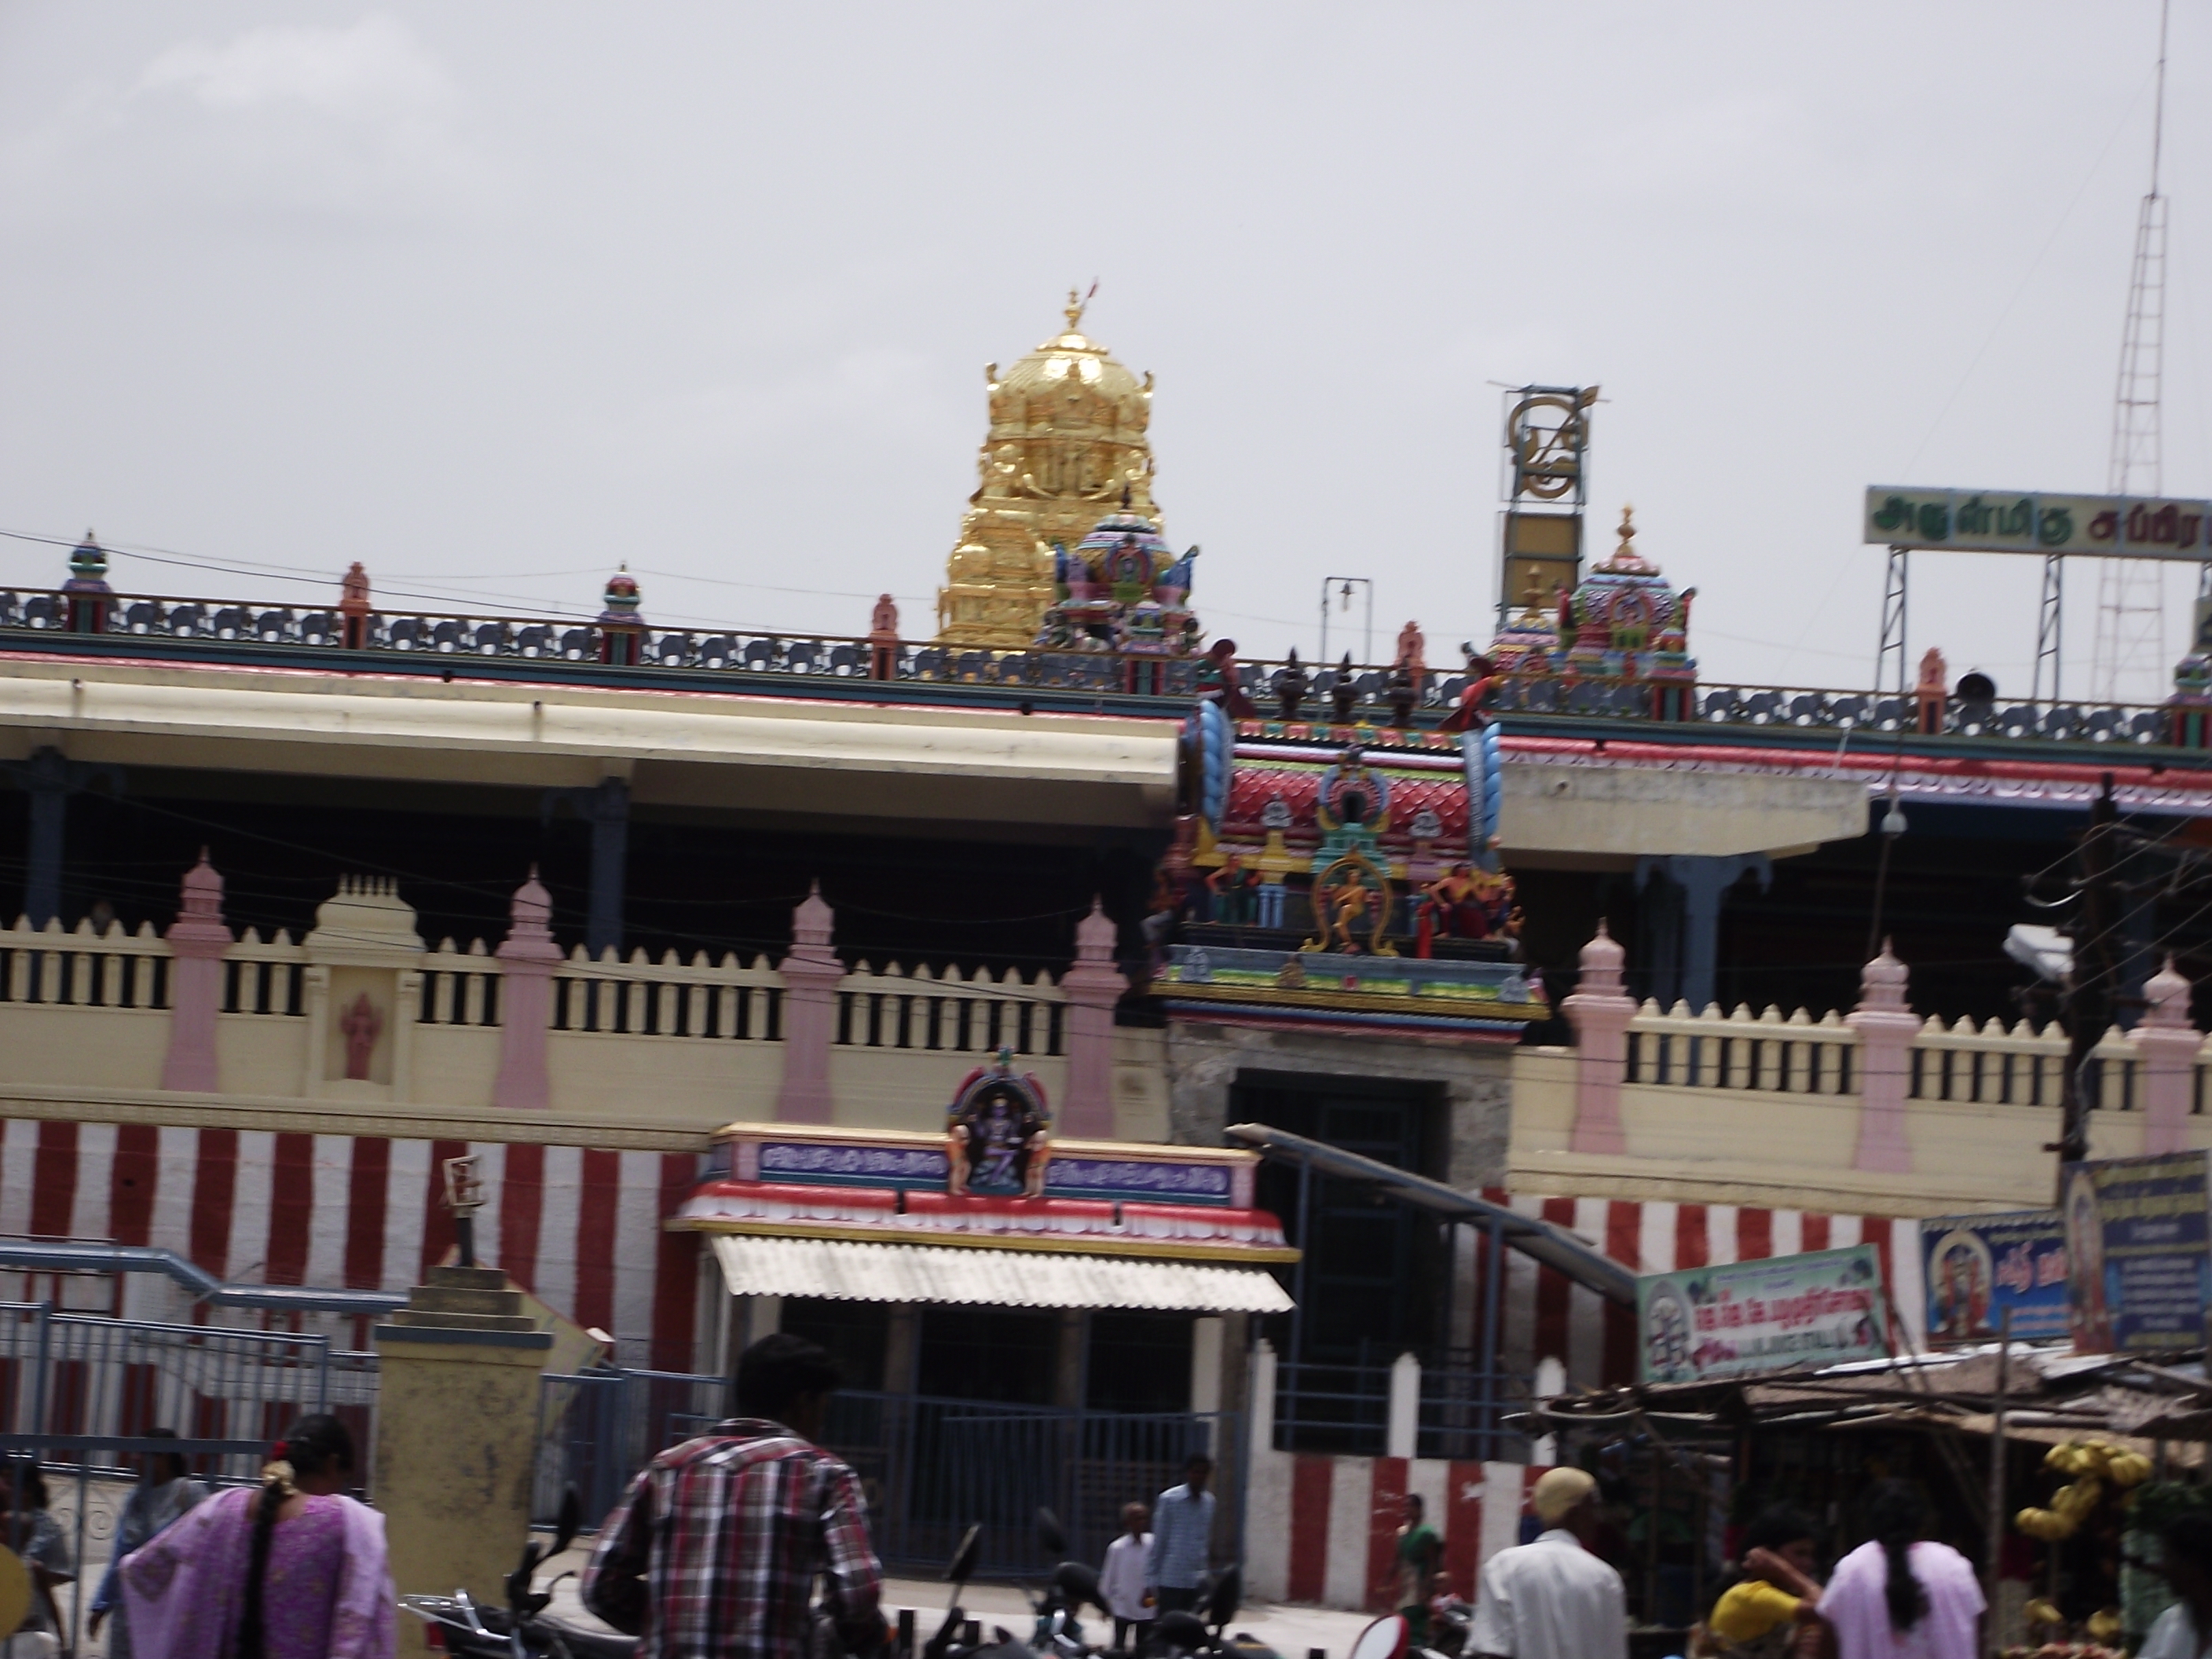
578	1226
1548	1317
1338	1545
1323	1528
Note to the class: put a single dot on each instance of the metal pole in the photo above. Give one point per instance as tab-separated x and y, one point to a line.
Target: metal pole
1994	1544
1892	629
2087	1010
1346	583
1298	1272
1493	1278
2052	620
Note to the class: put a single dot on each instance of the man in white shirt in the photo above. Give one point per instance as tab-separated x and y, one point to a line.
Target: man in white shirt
1553	1599
2184	1630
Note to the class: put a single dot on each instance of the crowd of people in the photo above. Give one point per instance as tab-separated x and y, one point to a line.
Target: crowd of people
718	1547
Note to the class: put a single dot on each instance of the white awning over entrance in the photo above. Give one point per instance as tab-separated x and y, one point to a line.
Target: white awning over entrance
755	1265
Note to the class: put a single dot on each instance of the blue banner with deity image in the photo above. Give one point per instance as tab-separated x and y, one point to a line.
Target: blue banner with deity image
1976	1266
2139	1253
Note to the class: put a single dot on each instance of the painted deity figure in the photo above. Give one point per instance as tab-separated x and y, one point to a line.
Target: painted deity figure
1235	891
360	1026
1411	644
998	1138
1465	903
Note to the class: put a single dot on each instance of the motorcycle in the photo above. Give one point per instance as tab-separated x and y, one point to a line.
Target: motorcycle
1185	1635
1074	1585
958	1637
520	1629
1451	1622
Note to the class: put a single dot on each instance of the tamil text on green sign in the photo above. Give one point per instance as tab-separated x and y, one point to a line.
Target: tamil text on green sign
2008	521
1823	1307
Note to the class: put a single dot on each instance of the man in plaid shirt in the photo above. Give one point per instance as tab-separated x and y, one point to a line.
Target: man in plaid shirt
714	1551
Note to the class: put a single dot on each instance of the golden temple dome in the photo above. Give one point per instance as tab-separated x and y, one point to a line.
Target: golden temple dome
1067	445
1070	376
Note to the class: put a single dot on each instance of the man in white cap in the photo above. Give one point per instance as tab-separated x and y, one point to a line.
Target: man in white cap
1553	1599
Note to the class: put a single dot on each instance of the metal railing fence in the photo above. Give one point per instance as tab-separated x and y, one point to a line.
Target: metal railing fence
312	631
80	1395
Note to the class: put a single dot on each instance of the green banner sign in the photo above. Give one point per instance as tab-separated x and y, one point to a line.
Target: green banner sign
1823	1307
2007	521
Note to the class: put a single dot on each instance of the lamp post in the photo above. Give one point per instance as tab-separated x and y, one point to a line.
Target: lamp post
1338	588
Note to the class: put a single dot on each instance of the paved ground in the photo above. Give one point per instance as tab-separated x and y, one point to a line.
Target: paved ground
1291	1631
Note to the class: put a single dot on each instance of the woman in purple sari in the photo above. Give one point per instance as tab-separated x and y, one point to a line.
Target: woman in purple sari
291	1571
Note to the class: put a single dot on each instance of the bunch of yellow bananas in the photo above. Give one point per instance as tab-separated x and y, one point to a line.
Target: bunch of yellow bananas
2080	1457
2129	1469
2046	1524
2098	1457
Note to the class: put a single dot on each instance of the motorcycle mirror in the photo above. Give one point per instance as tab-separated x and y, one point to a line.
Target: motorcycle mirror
1049	1533
568	1522
1228	1595
1384	1639
965	1558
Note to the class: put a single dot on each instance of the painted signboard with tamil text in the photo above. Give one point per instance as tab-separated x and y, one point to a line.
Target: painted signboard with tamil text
1823	1307
2011	521
2139	1249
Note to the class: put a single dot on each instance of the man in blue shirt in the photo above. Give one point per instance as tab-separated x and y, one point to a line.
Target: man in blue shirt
1183	1533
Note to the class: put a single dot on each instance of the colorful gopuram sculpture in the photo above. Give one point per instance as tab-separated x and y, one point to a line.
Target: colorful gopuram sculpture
1066	442
1122	589
1340	876
1624	622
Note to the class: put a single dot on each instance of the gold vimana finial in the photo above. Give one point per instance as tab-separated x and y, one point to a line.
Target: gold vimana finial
1074	310
1627	525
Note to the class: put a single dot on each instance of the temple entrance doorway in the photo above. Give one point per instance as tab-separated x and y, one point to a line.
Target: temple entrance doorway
1376	1277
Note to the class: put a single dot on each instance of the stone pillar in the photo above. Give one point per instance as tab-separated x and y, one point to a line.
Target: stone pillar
198	940
2168	1044
457	1435
1703	882
1887	1026
1600	1011
1071	1382
1259	1438
811	974
1206	1352
45	778
1403	1432
609	812
605	807
527	957
1092	987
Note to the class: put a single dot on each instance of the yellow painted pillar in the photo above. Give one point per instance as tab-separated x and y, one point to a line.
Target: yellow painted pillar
457	1435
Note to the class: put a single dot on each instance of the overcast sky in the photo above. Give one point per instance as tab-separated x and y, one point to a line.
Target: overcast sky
492	297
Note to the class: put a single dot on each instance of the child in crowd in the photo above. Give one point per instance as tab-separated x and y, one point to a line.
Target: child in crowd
1122	1583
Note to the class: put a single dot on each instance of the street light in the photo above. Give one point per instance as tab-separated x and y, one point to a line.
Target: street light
1338	588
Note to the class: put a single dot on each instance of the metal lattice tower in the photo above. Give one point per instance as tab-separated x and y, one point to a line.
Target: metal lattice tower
2130	592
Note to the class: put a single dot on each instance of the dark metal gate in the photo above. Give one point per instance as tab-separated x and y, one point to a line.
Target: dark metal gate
929	1467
